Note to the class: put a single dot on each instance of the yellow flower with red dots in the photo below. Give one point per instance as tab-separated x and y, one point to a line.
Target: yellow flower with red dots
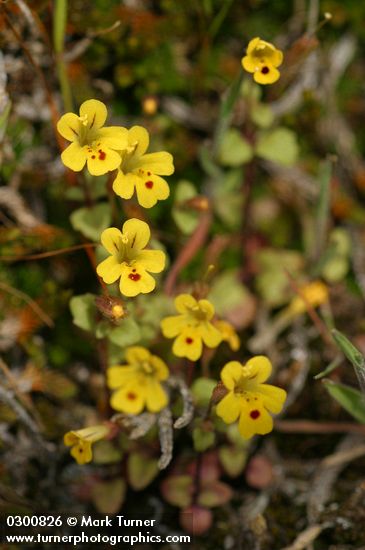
141	172
138	383
192	327
262	59
81	442
128	261
248	398
228	333
91	141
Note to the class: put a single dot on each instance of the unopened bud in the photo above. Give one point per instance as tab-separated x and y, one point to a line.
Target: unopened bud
150	105
111	307
199	203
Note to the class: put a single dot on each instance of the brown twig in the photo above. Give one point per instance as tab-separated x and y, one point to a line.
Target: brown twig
42	255
309	426
195	242
32	304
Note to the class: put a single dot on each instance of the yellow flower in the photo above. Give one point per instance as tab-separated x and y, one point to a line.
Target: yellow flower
192	327
129	261
142	172
248	398
315	293
262	59
82	440
138	384
228	334
90	141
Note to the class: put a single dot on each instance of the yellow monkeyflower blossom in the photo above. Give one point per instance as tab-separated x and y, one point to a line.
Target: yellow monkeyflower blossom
81	441
262	59
91	142
192	327
138	384
141	172
315	293
248	399
228	334
128	261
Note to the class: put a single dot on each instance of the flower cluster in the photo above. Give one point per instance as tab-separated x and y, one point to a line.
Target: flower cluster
105	149
138	383
192	327
248	398
262	59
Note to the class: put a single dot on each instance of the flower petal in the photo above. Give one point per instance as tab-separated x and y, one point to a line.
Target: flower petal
138	233
135	280
138	136
228	409
156	397
173	325
115	137
101	160
249	63
74	157
231	373
188	344
152	260
252	45
111	240
95	113
269	77
161	369
130	399
184	302
211	336
124	184
82	452
207	308
258	367
160	163
273	397
120	375
68	126
254	420
70	438
109	270
137	354
150	189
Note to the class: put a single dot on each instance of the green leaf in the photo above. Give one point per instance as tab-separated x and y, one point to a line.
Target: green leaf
215	494
141	470
92	221
203	439
262	115
104	452
352	353
202	390
126	334
279	145
234	149
108	496
349	398
177	490
185	218
83	311
227	292
233	459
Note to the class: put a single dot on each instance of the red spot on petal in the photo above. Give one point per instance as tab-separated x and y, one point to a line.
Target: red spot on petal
93	156
265	70
102	155
134	276
255	414
149	184
189	340
131	396
148	173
